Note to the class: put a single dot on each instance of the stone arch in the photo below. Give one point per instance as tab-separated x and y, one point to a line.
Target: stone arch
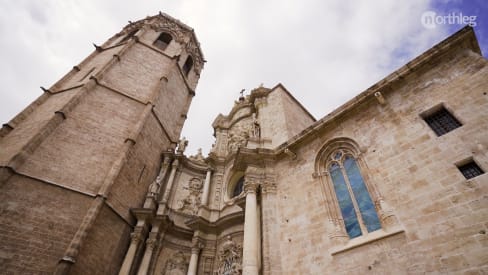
331	145
232	183
324	157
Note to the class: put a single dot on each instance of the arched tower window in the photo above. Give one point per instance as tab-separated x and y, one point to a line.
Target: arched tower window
163	40
188	65
355	203
238	187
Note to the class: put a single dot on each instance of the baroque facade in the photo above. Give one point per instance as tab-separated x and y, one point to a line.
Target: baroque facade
94	178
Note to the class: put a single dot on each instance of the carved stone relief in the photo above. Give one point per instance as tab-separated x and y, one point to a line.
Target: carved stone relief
192	47
218	189
176	265
230	258
240	134
192	201
178	33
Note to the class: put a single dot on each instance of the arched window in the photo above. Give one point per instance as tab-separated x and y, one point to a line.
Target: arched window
238	187
355	203
188	65
163	40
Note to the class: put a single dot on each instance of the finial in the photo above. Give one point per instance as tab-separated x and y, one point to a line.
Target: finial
261	85
241	98
98	48
46	90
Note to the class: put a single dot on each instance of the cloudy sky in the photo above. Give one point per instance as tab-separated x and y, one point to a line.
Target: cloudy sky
324	52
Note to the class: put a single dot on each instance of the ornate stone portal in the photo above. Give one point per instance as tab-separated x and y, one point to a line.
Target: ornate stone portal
230	258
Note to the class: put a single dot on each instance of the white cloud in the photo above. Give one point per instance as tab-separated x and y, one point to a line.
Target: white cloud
324	52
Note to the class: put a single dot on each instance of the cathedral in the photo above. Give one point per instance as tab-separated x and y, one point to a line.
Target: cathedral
94	178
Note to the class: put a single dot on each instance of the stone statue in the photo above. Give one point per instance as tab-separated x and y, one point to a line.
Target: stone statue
182	143
230	258
256	127
154	186
199	156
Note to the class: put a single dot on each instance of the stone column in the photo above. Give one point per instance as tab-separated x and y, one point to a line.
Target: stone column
251	238
206	187
171	179
197	246
271	243
136	238
146	260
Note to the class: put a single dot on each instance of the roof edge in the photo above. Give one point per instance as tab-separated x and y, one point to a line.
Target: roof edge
464	35
294	99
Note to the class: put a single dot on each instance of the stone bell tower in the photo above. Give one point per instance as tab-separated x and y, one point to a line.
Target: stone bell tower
76	160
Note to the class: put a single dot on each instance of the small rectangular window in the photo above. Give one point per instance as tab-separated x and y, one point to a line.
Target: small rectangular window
442	122
470	170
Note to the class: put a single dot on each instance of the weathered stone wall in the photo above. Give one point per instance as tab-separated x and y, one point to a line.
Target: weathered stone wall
141	168
138	72
104	248
281	117
37	222
89	67
172	106
31	121
297	118
81	150
272	120
442	214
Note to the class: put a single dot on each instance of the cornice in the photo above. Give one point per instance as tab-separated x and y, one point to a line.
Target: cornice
217	226
192	165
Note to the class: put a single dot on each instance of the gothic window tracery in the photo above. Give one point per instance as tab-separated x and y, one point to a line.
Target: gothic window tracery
355	203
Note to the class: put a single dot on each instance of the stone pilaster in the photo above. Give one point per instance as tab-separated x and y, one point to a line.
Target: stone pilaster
136	237
250	264
197	246
206	187
169	186
270	225
151	243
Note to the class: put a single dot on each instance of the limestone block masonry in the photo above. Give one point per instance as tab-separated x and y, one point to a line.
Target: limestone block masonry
94	178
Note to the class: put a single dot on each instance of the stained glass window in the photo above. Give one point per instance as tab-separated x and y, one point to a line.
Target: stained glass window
353	197
345	202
